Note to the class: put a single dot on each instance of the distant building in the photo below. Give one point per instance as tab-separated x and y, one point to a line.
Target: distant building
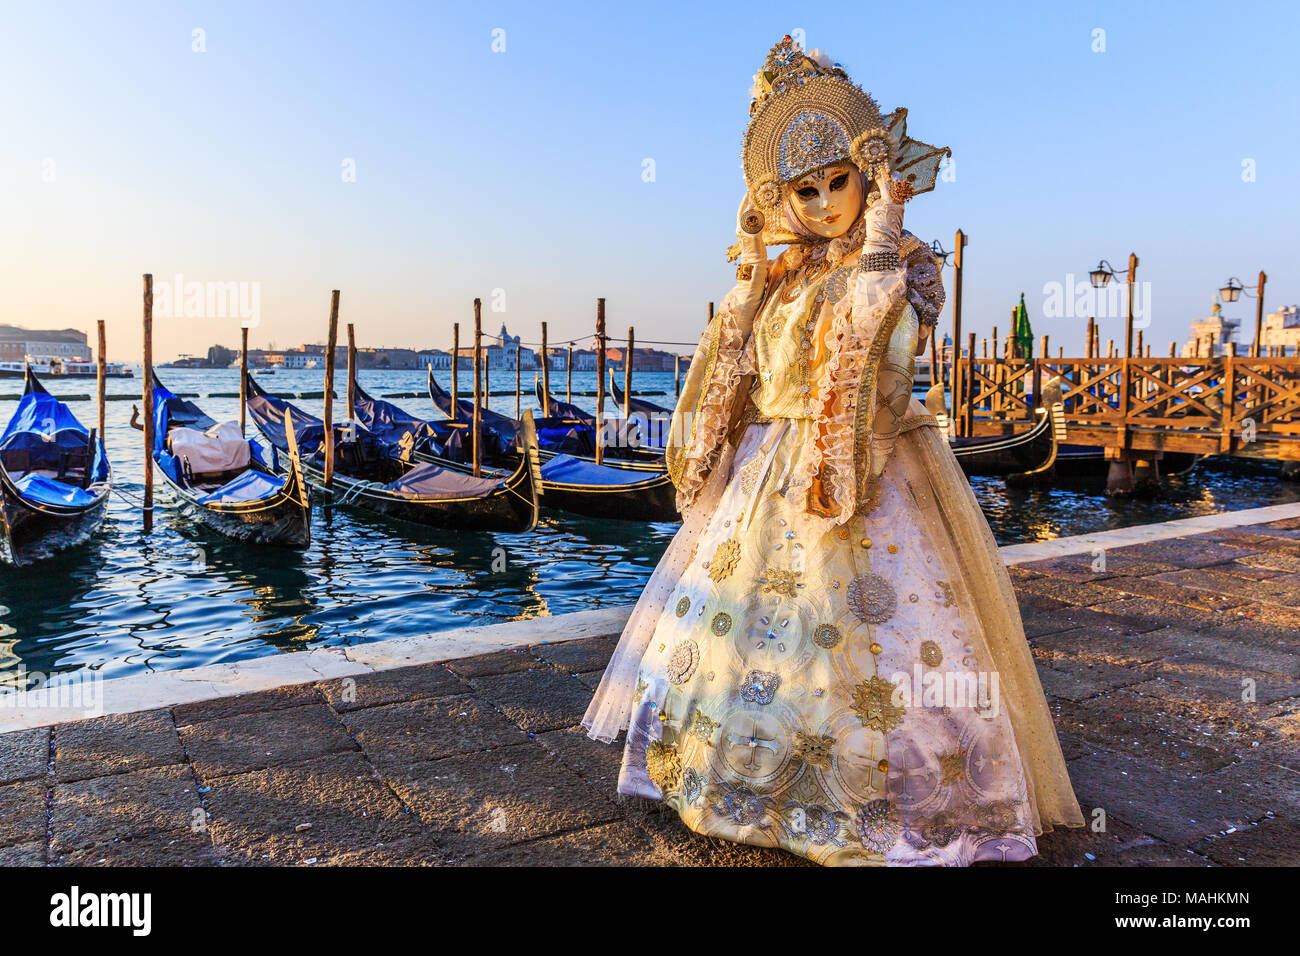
1282	328
504	349
1210	336
17	343
643	360
436	358
303	358
262	358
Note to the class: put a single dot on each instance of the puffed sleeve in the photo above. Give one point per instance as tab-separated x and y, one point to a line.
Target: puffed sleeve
714	387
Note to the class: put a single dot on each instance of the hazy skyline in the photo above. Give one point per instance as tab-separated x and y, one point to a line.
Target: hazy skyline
519	174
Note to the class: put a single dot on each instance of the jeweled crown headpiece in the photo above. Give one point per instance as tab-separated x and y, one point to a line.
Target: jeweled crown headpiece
807	113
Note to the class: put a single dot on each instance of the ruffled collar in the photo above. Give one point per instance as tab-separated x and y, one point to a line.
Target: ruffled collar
835	250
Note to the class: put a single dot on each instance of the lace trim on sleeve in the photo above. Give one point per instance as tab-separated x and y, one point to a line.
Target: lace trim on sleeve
730	359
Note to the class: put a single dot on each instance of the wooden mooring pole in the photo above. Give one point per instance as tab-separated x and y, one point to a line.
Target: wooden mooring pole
243	381
333	338
101	373
455	369
627	376
600	381
968	403
352	370
478	387
1259	312
958	380
147	401
546	376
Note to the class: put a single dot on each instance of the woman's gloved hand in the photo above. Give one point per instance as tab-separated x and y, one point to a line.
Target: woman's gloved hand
749	230
884	224
751	271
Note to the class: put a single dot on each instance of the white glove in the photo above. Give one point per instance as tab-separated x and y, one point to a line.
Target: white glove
752	249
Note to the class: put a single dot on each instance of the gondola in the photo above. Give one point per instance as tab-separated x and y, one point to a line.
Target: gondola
637	406
1027	453
568	483
54	478
222	480
499	433
1090	461
628	447
567	430
368	476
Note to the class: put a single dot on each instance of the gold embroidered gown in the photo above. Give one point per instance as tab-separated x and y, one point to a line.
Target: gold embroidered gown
847	680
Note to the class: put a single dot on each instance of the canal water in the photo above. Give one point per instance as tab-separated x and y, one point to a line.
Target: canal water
127	603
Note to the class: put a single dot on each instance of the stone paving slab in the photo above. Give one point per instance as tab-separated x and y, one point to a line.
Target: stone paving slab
24	754
263	739
314	810
116	744
123	806
417	760
408	732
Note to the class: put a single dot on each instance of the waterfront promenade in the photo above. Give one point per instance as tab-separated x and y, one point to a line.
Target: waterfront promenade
1172	670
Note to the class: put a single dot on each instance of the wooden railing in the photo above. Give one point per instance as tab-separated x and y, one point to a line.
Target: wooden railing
1238	404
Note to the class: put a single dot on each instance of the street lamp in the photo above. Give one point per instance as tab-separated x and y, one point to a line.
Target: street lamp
937	248
1231	292
1101	277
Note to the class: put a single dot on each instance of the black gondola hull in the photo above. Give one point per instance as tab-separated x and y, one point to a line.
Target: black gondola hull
1001	456
654	499
283	520
31	532
512	510
1084	461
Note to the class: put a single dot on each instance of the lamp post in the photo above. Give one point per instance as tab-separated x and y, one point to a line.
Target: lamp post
1231	292
936	350
1119	480
957	384
1101	277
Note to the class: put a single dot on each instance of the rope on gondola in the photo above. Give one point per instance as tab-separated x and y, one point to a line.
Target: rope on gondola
352	493
139	503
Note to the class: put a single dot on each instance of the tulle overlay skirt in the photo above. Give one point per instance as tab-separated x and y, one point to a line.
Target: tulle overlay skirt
862	695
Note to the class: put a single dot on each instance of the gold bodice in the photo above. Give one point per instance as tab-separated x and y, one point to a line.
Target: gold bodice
789	337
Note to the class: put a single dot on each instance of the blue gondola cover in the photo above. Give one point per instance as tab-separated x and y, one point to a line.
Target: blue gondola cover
47	491
252	485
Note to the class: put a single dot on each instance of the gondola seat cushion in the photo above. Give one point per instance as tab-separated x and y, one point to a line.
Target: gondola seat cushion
432	481
48	491
574	471
252	485
221	448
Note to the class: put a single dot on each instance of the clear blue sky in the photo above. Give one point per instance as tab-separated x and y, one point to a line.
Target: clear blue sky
522	170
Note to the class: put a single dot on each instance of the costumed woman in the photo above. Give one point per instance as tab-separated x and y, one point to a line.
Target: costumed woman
829	657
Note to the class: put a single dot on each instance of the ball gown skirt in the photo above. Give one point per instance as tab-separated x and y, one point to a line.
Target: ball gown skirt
859	695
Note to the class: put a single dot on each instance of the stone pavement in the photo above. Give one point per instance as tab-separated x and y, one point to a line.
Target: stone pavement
1173	674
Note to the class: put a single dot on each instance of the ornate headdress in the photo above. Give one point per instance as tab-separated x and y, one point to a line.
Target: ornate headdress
807	114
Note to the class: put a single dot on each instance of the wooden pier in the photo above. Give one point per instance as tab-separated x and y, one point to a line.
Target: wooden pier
1140	407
